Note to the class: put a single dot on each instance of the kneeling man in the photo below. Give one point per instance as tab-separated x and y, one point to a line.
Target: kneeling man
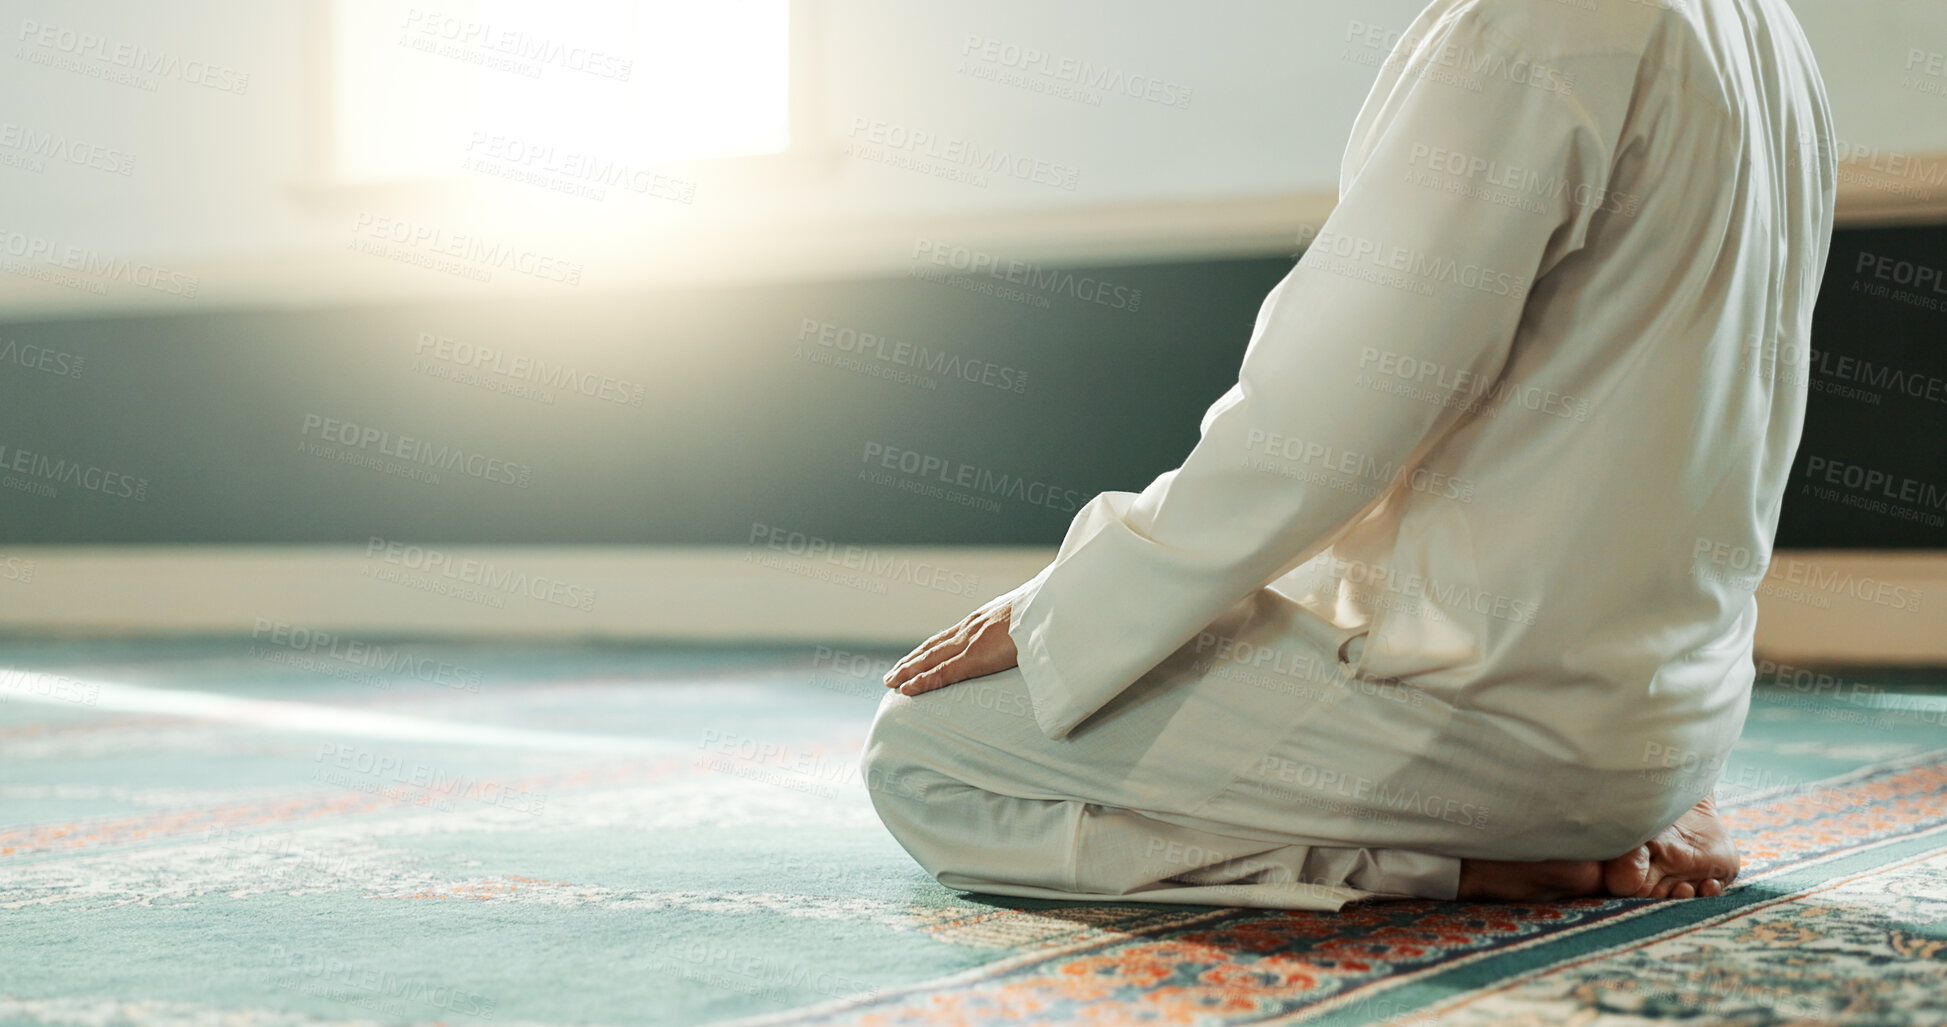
1454	598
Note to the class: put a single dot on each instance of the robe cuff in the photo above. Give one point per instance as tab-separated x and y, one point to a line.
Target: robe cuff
1420	875
1050	697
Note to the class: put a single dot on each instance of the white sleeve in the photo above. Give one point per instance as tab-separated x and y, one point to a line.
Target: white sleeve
1466	189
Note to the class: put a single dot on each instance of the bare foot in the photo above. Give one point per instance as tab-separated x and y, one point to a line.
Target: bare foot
1487	880
1693	857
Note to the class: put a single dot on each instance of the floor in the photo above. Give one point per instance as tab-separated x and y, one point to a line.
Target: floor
292	829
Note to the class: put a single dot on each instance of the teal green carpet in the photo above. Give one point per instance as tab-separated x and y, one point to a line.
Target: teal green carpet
243	833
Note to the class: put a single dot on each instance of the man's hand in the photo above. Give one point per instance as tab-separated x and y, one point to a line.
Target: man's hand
976	646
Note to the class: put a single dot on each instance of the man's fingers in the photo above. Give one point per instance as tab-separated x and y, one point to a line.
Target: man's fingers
921	650
950	671
977	630
941	635
986	651
963	632
925	661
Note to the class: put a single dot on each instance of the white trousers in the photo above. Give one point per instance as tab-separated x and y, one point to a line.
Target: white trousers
1169	795
1225	778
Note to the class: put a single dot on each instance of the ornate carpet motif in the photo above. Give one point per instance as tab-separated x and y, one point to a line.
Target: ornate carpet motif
1865	949
185	869
1292	966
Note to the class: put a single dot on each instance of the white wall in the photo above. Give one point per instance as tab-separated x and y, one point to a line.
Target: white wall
218	183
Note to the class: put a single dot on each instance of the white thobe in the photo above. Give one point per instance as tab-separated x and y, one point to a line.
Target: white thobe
1464	564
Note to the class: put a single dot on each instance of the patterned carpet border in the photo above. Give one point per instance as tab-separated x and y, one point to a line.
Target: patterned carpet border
1376	961
1435	996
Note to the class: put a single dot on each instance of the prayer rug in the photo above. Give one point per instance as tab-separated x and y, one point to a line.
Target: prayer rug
276	831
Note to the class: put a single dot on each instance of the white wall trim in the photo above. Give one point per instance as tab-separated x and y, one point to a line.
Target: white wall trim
853	594
1838	606
1889	188
1854	607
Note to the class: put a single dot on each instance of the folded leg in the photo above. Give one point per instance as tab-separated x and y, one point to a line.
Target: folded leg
982	800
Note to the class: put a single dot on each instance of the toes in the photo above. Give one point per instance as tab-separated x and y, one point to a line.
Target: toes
1683	890
1710	888
1628	875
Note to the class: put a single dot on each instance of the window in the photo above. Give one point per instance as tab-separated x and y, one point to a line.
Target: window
416	89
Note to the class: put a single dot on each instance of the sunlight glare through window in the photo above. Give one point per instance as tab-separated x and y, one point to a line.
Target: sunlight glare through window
417	89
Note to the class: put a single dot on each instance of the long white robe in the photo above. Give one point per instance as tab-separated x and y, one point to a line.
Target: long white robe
1464	564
